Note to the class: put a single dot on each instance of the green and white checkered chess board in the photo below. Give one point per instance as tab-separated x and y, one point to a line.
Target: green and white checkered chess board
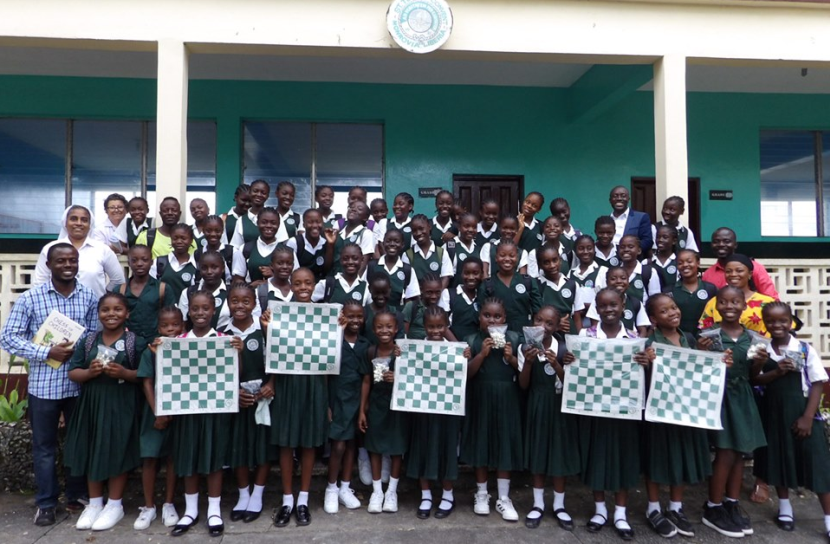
304	339
687	387
197	376
604	381
430	377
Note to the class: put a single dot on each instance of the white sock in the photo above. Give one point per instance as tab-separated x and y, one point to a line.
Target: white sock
244	498
117	502
727	499
827	523
426	499
191	507
288	500
214	509
255	502
675	506
652	507
96	501
785	508
620	521
538	502
448	497
302	498
393	485
711	504
345	485
362	454
600	512
559	504
482	488
377	486
332	487
503	486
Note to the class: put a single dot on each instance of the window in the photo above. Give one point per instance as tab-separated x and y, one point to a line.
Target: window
795	183
314	154
66	162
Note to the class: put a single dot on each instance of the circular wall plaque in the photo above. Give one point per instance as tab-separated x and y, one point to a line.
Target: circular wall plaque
419	26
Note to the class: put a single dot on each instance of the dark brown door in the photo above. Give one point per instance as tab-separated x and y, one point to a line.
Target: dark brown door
471	190
644	199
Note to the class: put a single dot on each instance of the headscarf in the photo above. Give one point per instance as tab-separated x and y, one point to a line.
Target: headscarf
740	258
65	233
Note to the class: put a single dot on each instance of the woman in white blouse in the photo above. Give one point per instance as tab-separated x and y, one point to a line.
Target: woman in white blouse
113	229
98	267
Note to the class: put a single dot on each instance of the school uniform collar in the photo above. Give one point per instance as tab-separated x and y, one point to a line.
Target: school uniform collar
313	249
254	327
390	271
218	291
289	213
356	231
252	216
638	269
344	283
277	293
329	218
232	213
470	249
439	226
459	290
174	262
486	233
395	224
554	286
191	334
197	233
602	256
679	226
417	249
656	260
570	234
660	338
138	229
532	224
265	248
590	270
622	334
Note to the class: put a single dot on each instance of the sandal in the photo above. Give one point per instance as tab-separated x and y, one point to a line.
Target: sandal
625	534
595	527
533	523
567	524
760	494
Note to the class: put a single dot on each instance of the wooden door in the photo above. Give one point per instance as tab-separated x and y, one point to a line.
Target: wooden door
644	199
471	190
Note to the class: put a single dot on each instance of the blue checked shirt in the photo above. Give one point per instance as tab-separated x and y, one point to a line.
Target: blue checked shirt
26	317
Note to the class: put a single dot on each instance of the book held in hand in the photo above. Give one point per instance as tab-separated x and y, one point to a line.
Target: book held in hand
57	329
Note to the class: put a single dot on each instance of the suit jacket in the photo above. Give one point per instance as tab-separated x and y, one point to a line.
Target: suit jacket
639	224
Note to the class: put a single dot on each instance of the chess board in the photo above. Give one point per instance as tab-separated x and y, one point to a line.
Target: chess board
197	376
304	338
687	387
430	377
604	381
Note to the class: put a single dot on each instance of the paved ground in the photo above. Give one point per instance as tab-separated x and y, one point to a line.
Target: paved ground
16	511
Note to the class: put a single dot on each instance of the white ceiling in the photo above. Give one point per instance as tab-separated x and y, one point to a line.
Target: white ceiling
534	72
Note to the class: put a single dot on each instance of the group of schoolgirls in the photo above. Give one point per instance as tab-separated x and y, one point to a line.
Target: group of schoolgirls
449	278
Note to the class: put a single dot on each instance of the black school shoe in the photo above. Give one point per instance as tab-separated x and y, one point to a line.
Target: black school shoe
179	529
216	530
303	516
423	513
734	509
566	524
533	523
717	518
237	515
594	527
684	526
785	523
45	517
442	513
625	533
283	516
661	525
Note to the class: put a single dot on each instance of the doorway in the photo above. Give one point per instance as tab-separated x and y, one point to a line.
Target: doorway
472	189
644	199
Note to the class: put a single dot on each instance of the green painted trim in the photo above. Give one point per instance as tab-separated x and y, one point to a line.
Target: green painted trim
602	87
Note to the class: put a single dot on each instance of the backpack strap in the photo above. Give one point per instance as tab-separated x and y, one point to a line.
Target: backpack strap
262	295
89	343
489	290
151	238
130	349
407	275
450	246
247	249
227	255
410	254
161	263
371	270
329	288
646	271
122	289
561	347
162	289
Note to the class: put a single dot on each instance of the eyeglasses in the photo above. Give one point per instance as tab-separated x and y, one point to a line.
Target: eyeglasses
116	208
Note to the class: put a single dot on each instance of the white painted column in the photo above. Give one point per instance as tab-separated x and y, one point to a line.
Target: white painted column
670	152
171	118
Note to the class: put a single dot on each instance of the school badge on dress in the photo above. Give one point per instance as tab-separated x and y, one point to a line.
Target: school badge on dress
197	376
702	294
304	338
433	266
521	289
566	293
430	377
320	260
687	387
604	381
187	276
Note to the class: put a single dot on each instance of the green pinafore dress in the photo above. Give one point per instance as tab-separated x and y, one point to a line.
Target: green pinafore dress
145	307
521	299
153	443
249	441
413	313
388	432
255	260
345	389
299	411
464	314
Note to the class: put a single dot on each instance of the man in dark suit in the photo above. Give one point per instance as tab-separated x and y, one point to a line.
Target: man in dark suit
629	221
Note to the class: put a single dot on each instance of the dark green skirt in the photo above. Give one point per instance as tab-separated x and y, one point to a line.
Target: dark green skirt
200	443
388	432
551	437
155	443
102	438
492	435
788	461
742	430
345	405
299	411
674	454
249	441
433	447
610	453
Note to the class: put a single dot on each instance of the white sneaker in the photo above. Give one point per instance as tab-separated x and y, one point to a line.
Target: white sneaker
348	498
109	516
385	469
169	516
504	506
390	502
364	470
88	517
482	503
376	502
146	516
330	503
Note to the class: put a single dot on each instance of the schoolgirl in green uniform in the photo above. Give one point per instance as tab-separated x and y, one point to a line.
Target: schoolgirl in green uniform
585	272
200	211
560	208
314	251
211	270
355	231
742	430
442	227
796	455
278	288
634	315
249	446
462	299
257	253
324	197
606	252
380	290
488	217
379	211
492	434
508	229
610	447
346	284
290	223
691	293
213	232
556	288
664	261
201	441
401	208
404	286
102	439
414	311
145	295
551	437
138	221
551	233
386	431
299	418
642	278
178	269
154	433
530	229
433	445
425	256
673	455
344	402
463	246
242	203
246	226
519	293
